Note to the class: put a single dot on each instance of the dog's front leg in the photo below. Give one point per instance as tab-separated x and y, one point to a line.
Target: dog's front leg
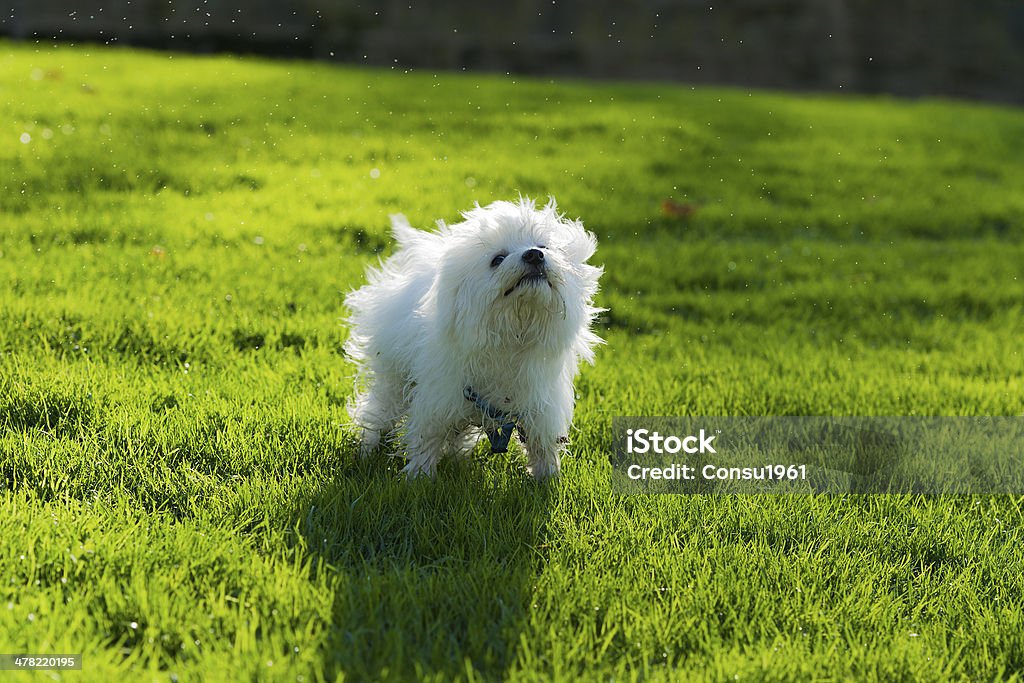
423	453
544	456
425	437
545	439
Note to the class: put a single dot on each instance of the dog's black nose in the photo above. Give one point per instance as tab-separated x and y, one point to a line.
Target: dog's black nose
534	257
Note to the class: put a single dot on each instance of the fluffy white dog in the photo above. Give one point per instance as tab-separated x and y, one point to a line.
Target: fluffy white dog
475	328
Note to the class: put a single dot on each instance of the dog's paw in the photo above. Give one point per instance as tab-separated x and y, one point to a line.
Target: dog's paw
419	468
369	444
544	468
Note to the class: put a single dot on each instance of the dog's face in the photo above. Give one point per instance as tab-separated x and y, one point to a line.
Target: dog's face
513	275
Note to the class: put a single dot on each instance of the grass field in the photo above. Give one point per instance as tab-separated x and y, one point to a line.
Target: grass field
179	495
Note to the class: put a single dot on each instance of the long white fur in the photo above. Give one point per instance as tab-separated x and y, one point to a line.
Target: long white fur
434	318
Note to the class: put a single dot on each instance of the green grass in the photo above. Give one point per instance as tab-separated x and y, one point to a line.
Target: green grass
180	496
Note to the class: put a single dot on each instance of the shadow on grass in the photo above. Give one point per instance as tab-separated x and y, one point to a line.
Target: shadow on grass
430	578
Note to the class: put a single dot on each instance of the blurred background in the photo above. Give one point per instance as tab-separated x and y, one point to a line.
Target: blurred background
902	47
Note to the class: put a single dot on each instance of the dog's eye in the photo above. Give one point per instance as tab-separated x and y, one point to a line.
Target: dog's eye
496	261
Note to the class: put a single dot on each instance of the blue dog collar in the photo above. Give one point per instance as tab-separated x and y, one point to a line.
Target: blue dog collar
501	435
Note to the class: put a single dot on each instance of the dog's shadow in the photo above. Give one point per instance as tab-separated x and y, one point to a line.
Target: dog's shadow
428	576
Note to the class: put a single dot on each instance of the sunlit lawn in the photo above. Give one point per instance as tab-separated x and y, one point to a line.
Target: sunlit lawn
180	495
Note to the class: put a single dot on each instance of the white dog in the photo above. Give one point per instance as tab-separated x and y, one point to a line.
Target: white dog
479	325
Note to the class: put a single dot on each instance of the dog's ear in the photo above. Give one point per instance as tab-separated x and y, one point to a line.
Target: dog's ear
578	243
409	237
452	297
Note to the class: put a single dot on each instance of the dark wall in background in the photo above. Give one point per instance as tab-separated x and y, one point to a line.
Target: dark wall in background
961	48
